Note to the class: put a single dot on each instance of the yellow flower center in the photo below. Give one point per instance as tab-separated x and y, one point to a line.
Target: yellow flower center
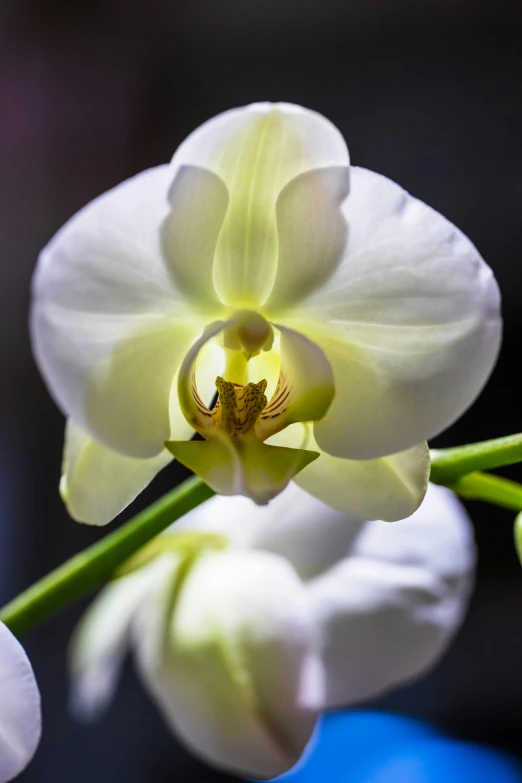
239	407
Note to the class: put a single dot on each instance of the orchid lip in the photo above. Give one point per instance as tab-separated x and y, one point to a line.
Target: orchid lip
240	403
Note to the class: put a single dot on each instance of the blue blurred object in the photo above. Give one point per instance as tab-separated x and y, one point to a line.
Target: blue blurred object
441	760
374	747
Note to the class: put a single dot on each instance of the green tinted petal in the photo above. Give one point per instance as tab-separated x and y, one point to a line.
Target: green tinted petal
312	232
249	468
189	233
97	483
305	388
255	151
388	488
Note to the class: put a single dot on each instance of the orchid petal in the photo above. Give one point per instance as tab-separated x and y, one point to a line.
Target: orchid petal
388	611
311	232
194	409
20	711
97	483
409	322
234	672
103	636
128	397
109	327
256	151
305	388
199	201
389	488
312	536
249	467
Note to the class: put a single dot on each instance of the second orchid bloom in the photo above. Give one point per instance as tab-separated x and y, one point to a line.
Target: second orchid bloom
246	623
340	322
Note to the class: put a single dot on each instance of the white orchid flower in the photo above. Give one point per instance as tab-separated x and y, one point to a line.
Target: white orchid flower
20	713
248	621
316	292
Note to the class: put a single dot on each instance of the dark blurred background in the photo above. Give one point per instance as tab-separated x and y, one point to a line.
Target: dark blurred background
425	92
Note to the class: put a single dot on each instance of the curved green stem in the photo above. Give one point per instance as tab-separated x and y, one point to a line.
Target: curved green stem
490	489
447	465
94	566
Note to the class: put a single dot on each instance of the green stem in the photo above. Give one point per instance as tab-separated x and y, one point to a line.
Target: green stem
94	566
447	465
490	489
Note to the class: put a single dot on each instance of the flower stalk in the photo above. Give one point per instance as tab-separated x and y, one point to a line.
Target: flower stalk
448	465
90	569
496	490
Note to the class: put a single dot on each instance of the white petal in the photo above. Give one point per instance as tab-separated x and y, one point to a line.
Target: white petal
410	323
310	534
20	712
109	327
107	258
102	637
256	150
199	202
239	682
97	483
190	400
388	611
248	468
311	232
305	388
389	488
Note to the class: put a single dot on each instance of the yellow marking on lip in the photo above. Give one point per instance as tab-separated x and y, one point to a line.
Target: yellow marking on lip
240	407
